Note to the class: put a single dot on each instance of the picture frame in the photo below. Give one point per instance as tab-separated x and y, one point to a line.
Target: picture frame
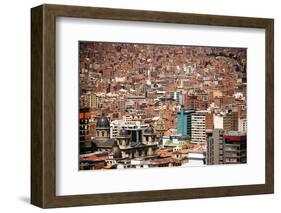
43	105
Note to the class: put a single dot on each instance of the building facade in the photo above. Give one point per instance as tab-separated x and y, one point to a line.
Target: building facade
230	121
215	147
131	142
198	127
86	130
89	100
243	125
226	147
184	121
235	147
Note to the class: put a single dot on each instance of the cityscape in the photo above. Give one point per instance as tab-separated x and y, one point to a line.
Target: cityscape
157	105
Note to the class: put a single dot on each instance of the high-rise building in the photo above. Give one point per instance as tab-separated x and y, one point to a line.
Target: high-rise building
242	125
215	147
115	127
179	97
93	101
230	121
89	100
184	121
235	147
190	101
85	130
209	121
202	101
198	127
218	121
198	101
226	147
121	104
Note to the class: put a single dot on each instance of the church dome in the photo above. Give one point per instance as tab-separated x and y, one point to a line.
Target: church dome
103	122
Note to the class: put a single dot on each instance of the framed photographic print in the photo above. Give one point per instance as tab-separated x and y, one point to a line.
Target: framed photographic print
136	106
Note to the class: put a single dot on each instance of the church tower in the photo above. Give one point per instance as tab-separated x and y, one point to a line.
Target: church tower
149	136
160	126
123	139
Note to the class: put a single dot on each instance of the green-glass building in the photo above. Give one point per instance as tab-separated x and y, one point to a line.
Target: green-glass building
184	121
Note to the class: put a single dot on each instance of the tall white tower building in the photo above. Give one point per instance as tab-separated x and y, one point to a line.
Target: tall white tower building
198	127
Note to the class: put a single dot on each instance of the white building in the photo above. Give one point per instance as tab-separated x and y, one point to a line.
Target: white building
218	122
127	123
242	125
136	164
198	127
115	127
196	158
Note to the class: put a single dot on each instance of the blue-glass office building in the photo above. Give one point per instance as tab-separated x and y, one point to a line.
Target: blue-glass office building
184	121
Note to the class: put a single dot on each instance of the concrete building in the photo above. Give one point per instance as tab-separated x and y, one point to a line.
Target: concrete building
89	100
184	121
115	127
242	125
127	123
209	121
179	97
218	122
86	130
190	101
226	147
235	147
121	103
196	158
215	147
230	121
198	127
93	101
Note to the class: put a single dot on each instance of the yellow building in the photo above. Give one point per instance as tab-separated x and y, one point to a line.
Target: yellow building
217	94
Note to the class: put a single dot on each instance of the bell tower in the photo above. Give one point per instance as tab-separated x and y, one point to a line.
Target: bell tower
149	136
160	126
123	139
